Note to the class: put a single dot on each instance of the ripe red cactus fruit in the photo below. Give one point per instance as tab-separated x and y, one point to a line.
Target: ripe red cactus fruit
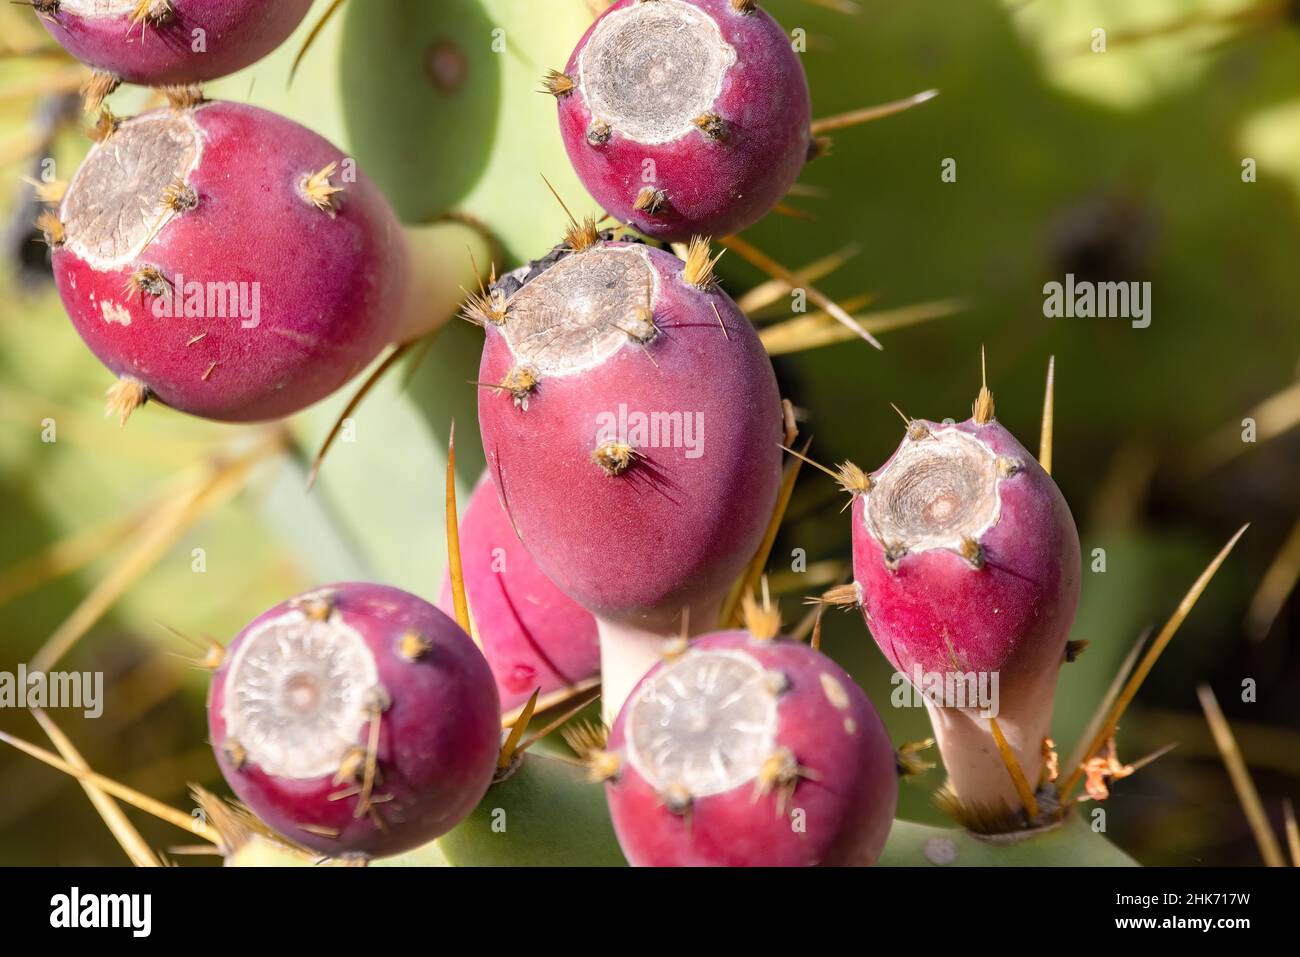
227	261
745	751
162	42
357	720
685	117
632	425
966	564
533	635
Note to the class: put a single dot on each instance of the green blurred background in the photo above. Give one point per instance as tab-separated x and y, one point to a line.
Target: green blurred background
1118	165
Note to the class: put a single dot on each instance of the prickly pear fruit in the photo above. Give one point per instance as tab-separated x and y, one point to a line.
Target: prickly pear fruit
966	558
632	425
227	261
745	751
685	117
533	635
159	42
357	720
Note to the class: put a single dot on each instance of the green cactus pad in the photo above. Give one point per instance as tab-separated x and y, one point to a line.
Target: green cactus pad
443	109
547	813
1073	844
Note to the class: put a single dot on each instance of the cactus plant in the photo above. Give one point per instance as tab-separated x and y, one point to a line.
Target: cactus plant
964	552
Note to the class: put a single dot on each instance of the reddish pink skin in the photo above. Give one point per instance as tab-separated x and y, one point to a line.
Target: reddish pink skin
1013	616
715	188
670	532
238	34
438	742
331	288
534	636
849	808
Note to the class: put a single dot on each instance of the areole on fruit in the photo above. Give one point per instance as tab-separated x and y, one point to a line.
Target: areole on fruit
233	264
632	426
356	720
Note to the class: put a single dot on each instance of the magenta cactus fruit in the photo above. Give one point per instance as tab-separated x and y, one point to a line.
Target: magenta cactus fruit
227	261
632	425
356	720
533	635
744	751
966	563
160	42
685	117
